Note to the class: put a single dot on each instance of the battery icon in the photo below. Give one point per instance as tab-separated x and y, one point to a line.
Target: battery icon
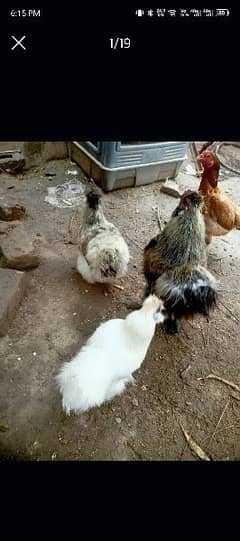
139	12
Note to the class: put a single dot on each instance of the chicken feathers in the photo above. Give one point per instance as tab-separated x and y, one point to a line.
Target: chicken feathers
221	215
103	253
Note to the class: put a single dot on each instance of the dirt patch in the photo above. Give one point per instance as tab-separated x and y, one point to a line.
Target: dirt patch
59	313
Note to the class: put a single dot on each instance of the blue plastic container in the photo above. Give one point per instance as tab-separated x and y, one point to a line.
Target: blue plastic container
120	164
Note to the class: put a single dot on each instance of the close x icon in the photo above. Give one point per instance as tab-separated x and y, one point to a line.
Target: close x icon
18	42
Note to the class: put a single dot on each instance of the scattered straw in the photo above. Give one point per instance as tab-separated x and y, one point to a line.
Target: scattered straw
195	448
236	318
219	421
229	383
159	219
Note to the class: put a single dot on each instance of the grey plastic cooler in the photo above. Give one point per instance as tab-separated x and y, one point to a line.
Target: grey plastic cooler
120	164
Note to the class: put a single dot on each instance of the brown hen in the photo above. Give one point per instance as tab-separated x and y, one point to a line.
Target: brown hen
221	215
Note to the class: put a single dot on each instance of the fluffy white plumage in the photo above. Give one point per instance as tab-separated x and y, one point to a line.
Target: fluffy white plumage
103	253
105	364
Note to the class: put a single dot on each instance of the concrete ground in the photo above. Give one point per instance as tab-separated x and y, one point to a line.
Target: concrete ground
60	311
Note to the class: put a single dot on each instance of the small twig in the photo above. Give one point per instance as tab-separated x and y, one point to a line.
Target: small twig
208	328
138	455
203	337
219	421
228	427
230	311
229	383
118	287
159	219
70	225
184	371
183	342
190	434
235	397
195	448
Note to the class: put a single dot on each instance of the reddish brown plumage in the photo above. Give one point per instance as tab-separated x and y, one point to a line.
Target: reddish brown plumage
153	267
211	166
220	213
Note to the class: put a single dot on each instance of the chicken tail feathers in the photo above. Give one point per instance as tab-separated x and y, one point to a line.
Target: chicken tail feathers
109	263
185	296
193	301
93	198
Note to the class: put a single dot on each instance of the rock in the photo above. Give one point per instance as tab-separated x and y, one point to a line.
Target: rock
18	250
12	162
10	212
171	188
12	289
5	227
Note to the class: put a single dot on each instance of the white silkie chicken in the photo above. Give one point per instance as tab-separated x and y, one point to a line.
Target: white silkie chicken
103	253
104	366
